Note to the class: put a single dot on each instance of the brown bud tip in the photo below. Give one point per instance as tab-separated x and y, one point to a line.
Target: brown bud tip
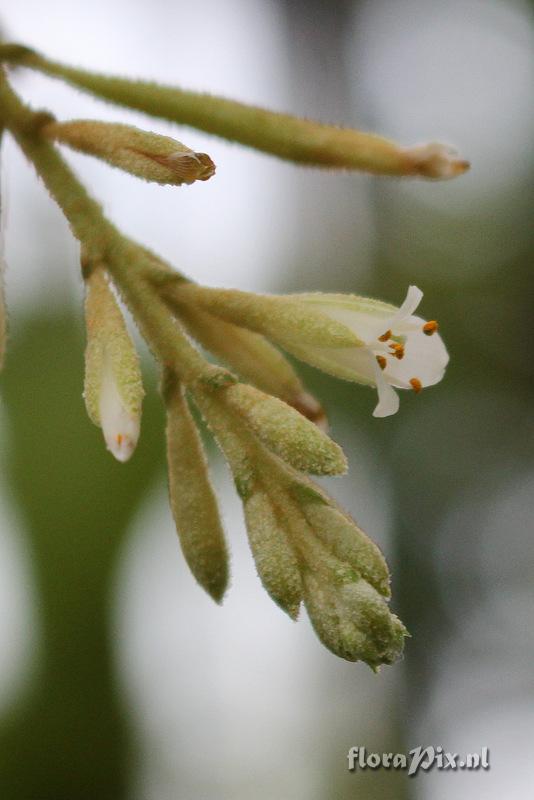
188	167
436	161
310	408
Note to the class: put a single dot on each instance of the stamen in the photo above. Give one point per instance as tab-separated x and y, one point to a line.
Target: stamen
385	336
397	350
416	385
119	438
430	327
381	361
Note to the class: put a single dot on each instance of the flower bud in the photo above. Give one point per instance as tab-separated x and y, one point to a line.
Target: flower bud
254	359
113	389
347	542
193	502
286	432
274	556
144	154
353	620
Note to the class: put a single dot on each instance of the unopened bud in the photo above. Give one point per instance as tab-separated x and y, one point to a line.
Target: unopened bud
254	359
119	425
274	556
193	502
144	154
286	432
113	389
347	542
353	620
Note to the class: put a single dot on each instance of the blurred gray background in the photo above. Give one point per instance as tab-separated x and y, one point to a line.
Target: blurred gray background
119	678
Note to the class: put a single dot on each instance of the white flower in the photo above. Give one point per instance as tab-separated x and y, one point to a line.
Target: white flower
398	349
119	425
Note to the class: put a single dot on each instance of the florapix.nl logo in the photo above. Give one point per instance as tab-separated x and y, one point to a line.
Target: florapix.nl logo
419	758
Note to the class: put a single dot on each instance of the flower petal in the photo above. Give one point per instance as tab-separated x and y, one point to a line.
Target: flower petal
425	358
119	426
388	401
412	300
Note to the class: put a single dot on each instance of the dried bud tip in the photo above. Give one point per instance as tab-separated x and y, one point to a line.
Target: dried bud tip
436	160
189	167
310	408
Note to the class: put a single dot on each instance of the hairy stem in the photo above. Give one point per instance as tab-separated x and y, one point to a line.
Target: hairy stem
301	140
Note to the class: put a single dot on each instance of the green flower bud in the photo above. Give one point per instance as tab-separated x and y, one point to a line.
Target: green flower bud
193	502
274	556
347	542
254	359
113	388
286	432
144	154
352	619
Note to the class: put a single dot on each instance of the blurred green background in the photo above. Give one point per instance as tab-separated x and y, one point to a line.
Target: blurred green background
118	677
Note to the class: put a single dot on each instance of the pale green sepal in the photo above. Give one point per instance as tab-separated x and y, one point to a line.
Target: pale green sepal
284	319
345	540
274	556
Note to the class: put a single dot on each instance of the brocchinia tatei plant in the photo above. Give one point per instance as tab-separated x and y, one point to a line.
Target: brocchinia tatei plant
271	431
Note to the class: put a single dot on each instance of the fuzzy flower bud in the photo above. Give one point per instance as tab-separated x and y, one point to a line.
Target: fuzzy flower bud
113	387
193	502
274	556
254	359
352	619
144	154
286	432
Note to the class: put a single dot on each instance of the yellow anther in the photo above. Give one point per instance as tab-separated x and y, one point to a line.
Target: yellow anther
397	350
382	362
416	385
385	336
430	327
119	438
